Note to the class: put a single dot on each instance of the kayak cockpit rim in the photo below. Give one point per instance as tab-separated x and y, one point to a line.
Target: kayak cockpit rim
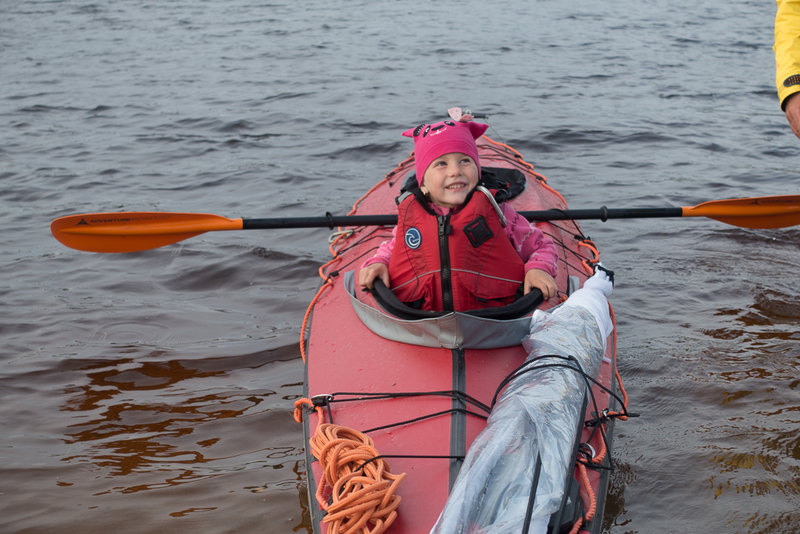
451	330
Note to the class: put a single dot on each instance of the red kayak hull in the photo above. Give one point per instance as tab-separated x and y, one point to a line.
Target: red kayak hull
344	356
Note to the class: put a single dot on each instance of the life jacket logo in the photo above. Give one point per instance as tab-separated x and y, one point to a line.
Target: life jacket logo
413	238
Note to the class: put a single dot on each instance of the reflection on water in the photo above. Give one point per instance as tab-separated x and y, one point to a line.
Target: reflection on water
615	511
156	424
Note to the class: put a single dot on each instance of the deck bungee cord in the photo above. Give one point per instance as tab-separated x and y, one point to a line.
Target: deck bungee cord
326	401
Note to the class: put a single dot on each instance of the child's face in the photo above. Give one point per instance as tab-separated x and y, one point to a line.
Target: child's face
450	178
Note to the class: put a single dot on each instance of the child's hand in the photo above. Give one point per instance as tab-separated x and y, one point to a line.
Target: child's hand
541	281
367	276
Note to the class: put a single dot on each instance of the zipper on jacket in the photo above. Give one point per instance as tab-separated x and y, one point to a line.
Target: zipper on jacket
443	222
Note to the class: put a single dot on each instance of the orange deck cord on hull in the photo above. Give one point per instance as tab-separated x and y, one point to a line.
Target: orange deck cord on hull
589	515
357	481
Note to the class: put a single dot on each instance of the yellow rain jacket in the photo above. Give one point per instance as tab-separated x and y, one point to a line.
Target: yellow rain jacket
787	49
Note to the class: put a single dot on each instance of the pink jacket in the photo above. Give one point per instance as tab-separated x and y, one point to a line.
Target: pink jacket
536	249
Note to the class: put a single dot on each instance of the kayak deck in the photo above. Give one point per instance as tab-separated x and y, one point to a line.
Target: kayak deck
422	405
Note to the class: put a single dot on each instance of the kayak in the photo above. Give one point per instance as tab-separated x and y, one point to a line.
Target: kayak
395	397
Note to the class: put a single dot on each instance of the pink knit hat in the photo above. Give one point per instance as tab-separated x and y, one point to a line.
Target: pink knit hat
434	140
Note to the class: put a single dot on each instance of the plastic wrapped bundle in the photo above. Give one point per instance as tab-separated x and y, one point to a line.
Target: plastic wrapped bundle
538	414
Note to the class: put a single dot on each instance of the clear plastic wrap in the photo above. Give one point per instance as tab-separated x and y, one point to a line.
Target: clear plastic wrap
538	414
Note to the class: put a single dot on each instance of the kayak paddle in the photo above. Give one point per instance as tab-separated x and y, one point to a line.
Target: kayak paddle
143	230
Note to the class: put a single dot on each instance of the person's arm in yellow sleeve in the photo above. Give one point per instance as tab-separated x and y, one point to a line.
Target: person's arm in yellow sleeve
787	60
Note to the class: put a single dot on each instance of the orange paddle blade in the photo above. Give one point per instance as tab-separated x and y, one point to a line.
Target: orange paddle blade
754	212
136	230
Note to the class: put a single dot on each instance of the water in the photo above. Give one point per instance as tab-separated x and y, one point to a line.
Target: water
152	391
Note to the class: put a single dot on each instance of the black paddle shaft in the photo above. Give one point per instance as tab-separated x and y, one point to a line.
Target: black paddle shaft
332	221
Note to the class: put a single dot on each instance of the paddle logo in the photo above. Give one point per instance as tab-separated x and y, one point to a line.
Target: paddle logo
413	238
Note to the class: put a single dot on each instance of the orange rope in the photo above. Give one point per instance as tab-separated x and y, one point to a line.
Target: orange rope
588	264
298	409
586	484
591	497
619	415
328	282
357	489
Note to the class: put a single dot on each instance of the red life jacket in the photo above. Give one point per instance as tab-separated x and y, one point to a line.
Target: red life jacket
461	261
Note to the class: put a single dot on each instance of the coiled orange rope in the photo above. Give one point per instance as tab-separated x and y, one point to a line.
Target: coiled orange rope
356	489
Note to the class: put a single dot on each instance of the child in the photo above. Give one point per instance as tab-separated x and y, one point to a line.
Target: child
455	252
